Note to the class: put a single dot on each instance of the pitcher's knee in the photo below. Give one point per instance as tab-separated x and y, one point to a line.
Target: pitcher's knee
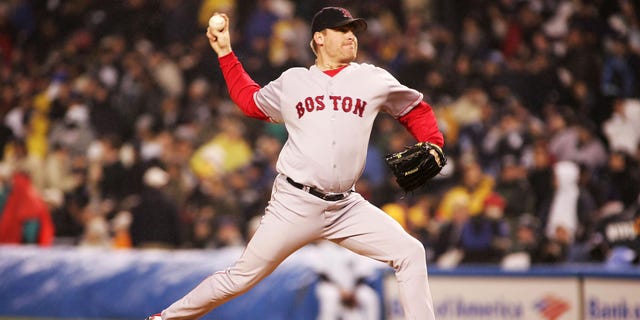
411	256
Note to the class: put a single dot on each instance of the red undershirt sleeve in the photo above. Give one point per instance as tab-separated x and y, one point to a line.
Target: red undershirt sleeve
240	85
421	123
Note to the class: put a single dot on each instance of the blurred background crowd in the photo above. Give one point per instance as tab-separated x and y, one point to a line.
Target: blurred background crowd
117	130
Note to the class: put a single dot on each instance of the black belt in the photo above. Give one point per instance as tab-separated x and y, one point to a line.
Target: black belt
318	193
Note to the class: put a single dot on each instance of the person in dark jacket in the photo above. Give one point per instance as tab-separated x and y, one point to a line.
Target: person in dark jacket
155	222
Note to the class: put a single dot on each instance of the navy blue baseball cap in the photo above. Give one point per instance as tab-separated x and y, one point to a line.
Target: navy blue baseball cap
335	17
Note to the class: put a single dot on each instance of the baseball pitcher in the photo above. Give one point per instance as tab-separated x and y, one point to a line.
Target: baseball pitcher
328	110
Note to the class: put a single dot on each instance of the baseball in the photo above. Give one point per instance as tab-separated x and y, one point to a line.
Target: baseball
217	22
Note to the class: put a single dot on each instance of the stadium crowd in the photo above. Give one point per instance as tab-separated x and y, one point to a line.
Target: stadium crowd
117	130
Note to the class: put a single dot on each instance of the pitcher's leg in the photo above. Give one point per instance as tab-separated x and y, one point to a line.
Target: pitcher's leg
281	232
369	231
221	287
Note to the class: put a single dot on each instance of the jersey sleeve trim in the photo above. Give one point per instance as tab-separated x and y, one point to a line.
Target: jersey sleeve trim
262	109
411	106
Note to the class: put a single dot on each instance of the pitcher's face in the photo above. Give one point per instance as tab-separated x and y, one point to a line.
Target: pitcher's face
340	45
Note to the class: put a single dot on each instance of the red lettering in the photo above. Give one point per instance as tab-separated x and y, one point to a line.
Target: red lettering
335	100
308	104
347	103
300	110
320	103
359	108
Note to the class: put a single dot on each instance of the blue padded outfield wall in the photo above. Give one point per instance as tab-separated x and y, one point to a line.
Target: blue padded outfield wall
83	283
105	284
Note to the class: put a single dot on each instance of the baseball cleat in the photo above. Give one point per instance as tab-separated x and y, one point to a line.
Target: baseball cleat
154	317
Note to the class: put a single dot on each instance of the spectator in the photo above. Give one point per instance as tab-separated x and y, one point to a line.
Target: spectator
226	152
484	238
618	78
197	109
540	175
447	245
200	231
166	73
622	129
228	233
475	186
96	231
343	291
513	186
74	131
589	149
119	229
526	239
471	137
470	108
25	217
577	143
508	139
567	219
581	61
155	219
561	135
69	219
620	180
554	250
58	171
422	224
616	249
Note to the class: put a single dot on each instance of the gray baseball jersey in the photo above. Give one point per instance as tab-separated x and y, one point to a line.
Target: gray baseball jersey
329	120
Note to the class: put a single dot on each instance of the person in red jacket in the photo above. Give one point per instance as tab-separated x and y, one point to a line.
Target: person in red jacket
25	218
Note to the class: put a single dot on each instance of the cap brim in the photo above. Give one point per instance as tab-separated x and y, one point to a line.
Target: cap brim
358	24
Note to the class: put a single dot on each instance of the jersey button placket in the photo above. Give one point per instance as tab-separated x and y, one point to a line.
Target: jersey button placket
333	131
333	146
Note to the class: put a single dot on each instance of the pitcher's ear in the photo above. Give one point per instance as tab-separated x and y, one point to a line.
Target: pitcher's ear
318	37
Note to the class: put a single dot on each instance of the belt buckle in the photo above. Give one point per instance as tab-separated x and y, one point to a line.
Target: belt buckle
333	196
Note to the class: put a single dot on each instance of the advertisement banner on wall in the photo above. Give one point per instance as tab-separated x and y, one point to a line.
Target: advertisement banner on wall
611	298
495	298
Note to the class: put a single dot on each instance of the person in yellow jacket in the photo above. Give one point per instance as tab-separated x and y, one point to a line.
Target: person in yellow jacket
476	185
224	153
